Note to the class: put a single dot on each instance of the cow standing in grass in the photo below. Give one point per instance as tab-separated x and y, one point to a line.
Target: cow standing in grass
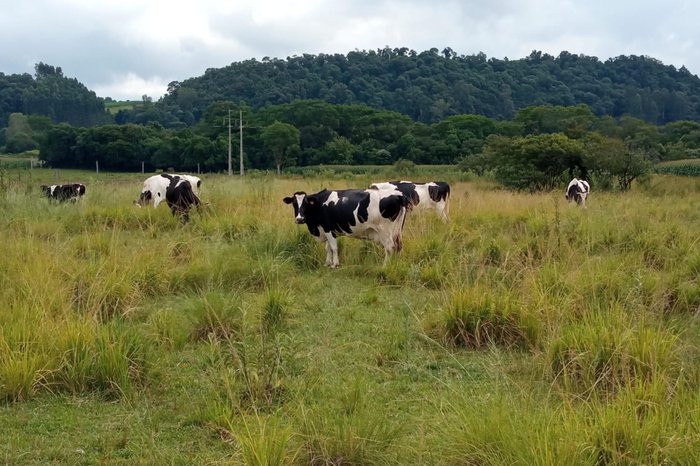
154	188
178	194
433	195
63	192
373	214
578	190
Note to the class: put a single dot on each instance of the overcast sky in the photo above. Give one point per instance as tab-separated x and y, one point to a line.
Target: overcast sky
127	48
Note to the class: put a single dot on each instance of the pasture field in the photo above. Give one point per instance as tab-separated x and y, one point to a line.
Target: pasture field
524	331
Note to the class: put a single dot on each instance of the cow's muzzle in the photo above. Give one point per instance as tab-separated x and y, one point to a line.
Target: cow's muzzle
300	220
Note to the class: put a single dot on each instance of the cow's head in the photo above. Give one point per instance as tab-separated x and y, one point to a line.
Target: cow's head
302	204
46	190
144	198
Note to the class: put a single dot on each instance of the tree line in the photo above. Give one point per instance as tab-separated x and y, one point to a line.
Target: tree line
531	151
432	85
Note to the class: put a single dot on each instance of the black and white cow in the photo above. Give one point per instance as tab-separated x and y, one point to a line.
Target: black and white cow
63	192
433	195
154	188
578	190
374	214
179	195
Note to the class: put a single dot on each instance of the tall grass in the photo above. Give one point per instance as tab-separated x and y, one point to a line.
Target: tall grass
476	317
566	335
602	354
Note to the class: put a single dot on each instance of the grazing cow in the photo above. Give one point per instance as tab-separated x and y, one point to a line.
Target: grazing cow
433	195
154	188
63	192
179	195
578	190
373	214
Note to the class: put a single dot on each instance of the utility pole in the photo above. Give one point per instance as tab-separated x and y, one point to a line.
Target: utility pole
230	172
240	129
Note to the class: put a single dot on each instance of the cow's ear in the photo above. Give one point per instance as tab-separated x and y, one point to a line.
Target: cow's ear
311	200
287	200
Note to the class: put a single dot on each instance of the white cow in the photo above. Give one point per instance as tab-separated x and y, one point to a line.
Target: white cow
433	195
154	188
578	190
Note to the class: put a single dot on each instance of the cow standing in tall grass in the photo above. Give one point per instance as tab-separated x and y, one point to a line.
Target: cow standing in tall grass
176	190
63	192
155	187
433	195
374	214
578	191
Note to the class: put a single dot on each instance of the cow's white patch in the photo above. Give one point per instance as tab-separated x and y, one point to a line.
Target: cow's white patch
332	199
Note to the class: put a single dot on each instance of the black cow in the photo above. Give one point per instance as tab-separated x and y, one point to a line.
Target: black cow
433	195
374	214
63	192
180	196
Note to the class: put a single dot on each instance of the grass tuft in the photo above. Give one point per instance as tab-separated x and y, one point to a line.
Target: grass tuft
475	318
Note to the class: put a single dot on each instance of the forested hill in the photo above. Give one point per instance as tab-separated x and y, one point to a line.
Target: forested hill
432	85
50	93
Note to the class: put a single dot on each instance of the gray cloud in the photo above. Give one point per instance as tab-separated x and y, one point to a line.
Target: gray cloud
128	48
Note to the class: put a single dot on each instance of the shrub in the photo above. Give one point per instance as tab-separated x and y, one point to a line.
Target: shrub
475	318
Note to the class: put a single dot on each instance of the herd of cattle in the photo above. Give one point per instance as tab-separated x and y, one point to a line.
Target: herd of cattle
377	213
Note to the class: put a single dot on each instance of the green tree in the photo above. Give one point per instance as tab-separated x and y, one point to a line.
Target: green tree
59	148
279	138
18	137
614	158
338	151
533	162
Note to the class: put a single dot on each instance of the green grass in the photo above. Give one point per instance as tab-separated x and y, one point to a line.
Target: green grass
115	106
525	331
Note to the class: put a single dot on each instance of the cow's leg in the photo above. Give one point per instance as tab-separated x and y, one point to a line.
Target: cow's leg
332	248
442	211
329	255
392	241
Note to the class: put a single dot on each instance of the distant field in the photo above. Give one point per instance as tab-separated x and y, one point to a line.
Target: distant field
114	107
524	331
687	167
680	162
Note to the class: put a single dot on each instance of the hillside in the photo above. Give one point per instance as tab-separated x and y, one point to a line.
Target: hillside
432	85
50	93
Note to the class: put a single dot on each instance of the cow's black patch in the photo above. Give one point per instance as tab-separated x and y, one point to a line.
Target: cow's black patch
390	206
338	216
408	190
180	197
574	193
440	192
145	197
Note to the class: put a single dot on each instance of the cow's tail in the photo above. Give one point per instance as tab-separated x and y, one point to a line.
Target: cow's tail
400	222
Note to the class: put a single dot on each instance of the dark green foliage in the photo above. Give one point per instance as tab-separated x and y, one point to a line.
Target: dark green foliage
50	94
534	162
429	86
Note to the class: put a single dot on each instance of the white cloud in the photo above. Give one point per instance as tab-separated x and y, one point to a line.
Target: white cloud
128	48
132	87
